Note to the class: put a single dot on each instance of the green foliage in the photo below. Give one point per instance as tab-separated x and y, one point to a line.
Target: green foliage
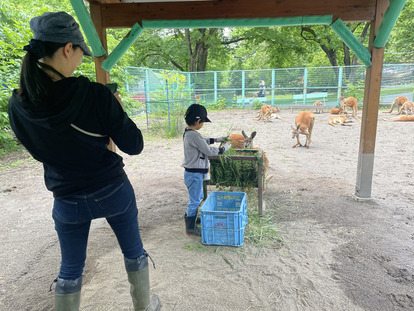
400	45
355	90
219	105
257	104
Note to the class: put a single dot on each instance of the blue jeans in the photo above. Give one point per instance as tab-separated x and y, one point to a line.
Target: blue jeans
73	216
194	183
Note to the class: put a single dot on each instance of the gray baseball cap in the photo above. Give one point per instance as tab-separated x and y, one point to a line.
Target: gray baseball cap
58	27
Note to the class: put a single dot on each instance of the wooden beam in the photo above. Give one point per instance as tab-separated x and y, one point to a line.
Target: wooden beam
370	111
125	15
101	75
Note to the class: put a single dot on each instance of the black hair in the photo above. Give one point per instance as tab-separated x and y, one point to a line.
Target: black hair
190	119
35	83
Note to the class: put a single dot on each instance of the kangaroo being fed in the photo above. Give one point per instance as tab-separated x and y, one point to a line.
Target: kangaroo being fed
304	124
241	141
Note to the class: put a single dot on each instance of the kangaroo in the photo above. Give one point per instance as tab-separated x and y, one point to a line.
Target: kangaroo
402	119
398	102
350	102
304	124
407	108
318	105
265	113
336	110
242	141
338	120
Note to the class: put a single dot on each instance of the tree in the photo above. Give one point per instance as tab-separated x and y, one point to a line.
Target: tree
400	46
337	52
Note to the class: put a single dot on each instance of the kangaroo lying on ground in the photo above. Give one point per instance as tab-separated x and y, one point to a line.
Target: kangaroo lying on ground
350	102
402	118
265	113
304	124
339	120
336	110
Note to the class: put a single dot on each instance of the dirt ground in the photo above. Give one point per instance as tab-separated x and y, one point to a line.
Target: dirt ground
337	254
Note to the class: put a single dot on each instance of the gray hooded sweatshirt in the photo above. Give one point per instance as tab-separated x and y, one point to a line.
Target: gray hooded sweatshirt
197	151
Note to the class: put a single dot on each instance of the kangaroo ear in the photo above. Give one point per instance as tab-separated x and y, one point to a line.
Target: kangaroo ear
298	126
253	135
244	134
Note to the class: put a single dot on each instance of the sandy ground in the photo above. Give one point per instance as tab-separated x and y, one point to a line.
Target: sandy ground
337	254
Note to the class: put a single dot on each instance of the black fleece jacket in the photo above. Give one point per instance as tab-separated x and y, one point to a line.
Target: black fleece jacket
69	133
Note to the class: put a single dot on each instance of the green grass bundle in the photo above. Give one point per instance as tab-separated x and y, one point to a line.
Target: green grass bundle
230	170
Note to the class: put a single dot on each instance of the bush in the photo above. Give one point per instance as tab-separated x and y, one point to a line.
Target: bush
257	104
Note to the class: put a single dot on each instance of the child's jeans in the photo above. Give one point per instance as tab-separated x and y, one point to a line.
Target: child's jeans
73	215
194	183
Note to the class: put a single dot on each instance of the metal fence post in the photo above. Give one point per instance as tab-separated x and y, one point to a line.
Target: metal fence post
340	73
305	85
215	87
168	105
273	87
243	87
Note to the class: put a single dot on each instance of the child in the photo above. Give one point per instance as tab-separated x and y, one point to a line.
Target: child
196	163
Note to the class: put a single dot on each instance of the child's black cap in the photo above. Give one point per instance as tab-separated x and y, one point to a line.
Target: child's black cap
196	112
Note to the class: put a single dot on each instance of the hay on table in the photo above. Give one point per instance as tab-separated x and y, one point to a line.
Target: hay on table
239	168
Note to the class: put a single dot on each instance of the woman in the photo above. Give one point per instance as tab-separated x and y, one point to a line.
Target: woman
65	122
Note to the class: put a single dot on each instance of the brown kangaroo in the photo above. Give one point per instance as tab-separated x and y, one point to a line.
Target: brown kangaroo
338	120
402	119
304	124
318	105
398	102
241	141
336	110
350	102
266	111
407	108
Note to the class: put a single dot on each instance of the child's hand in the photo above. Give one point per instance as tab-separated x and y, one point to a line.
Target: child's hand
227	147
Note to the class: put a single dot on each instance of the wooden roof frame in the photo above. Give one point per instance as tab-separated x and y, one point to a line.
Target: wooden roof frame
126	14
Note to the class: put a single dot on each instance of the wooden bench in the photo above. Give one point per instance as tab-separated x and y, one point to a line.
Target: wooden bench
307	107
300	97
320	96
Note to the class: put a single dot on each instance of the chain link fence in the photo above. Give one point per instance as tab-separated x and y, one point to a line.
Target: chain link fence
161	95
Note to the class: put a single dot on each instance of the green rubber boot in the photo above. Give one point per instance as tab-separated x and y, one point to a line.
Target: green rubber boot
138	278
67	294
190	226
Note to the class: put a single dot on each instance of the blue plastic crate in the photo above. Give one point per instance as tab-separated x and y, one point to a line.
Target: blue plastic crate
223	218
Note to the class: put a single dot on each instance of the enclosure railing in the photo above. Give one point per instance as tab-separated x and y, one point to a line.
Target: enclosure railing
240	88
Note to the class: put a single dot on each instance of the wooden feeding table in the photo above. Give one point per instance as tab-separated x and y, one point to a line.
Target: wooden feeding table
239	168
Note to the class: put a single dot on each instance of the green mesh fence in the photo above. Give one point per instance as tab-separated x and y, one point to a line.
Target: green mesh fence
155	90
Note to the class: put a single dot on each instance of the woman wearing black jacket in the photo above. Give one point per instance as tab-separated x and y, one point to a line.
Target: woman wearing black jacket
66	122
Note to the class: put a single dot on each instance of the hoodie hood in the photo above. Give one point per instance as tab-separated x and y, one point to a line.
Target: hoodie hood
60	108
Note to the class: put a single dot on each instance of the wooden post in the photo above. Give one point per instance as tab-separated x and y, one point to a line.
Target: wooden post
370	111
101	75
260	184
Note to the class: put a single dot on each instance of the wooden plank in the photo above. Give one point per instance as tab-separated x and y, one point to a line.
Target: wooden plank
120	15
370	111
101	75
